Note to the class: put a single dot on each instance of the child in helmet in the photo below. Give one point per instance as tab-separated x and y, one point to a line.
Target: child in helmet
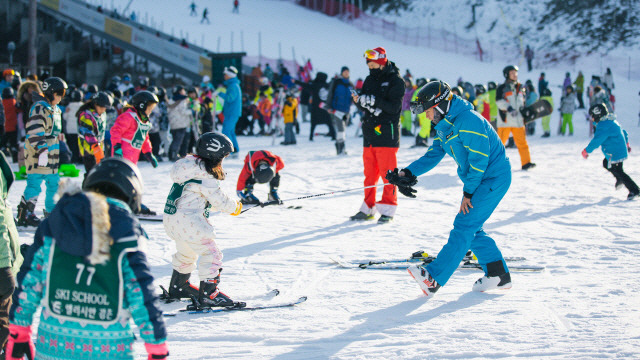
260	167
42	149
130	133
614	142
195	192
88	272
92	123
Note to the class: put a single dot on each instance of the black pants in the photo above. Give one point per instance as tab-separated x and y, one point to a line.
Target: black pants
620	175
580	99
156	141
11	142
72	143
177	136
89	162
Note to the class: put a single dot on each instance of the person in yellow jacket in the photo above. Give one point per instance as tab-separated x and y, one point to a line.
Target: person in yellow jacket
492	103
510	99
290	114
422	138
546	95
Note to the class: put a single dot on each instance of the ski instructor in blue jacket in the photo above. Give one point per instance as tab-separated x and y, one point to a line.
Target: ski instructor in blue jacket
485	171
232	104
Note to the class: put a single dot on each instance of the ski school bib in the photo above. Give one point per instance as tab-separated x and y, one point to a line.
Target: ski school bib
176	193
141	132
79	291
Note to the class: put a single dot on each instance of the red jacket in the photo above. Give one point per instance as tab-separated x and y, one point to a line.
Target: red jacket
252	160
10	115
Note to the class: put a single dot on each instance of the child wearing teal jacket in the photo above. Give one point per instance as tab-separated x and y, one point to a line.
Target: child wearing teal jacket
88	272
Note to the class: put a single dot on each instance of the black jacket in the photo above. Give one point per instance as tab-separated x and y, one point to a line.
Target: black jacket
381	122
319	90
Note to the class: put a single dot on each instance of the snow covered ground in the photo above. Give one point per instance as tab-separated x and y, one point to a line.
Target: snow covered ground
565	215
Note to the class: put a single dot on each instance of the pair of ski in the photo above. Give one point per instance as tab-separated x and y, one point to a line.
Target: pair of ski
194	307
421	257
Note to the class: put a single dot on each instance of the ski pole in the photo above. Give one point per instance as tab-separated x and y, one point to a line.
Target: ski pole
274	202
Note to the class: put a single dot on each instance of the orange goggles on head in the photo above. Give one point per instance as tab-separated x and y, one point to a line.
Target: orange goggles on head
374	55
8	72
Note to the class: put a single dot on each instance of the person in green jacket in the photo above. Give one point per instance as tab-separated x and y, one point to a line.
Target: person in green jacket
10	257
422	138
579	83
546	120
492	103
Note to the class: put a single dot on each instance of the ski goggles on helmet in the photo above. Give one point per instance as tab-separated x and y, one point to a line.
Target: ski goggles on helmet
416	107
374	55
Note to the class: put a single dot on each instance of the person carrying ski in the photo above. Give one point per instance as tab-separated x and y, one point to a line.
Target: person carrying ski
87	270
485	171
42	149
92	124
381	102
614	142
195	192
510	99
260	167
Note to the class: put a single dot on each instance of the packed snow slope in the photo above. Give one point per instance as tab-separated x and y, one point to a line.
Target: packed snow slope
272	28
564	215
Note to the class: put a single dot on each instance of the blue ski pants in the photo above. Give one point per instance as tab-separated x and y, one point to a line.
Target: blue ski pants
33	189
467	233
229	129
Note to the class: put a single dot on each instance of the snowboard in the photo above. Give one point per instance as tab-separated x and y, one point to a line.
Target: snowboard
536	110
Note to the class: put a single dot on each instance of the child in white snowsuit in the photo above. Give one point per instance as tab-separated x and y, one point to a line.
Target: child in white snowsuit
195	192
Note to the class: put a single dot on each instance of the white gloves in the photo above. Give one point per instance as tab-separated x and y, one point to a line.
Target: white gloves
367	102
43	159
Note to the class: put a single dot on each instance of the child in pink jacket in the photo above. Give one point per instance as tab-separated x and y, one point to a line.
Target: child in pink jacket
130	133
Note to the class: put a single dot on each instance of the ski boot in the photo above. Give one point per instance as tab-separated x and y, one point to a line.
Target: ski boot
144	210
26	217
340	148
421	142
384	219
181	288
428	284
247	197
273	196
361	216
210	296
496	278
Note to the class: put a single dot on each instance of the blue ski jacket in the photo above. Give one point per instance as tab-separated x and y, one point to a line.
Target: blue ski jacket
471	141
611	138
232	99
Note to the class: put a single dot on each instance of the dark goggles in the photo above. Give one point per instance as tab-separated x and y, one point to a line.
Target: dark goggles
416	107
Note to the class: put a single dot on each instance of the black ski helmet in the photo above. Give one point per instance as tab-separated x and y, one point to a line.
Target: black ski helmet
7	93
77	95
53	85
117	94
213	146
435	94
93	88
264	173
103	99
143	81
480	89
546	92
141	100
116	79
117	177
153	90
491	85
162	93
598	111
507	69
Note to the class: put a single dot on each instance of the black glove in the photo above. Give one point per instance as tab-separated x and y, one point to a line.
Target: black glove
404	183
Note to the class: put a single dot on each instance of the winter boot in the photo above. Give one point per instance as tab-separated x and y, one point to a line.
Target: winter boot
361	216
428	284
181	288
26	217
385	219
421	142
340	148
528	166
496	278
273	196
632	196
546	134
211	296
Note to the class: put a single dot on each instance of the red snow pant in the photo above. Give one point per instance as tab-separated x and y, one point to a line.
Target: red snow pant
377	161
